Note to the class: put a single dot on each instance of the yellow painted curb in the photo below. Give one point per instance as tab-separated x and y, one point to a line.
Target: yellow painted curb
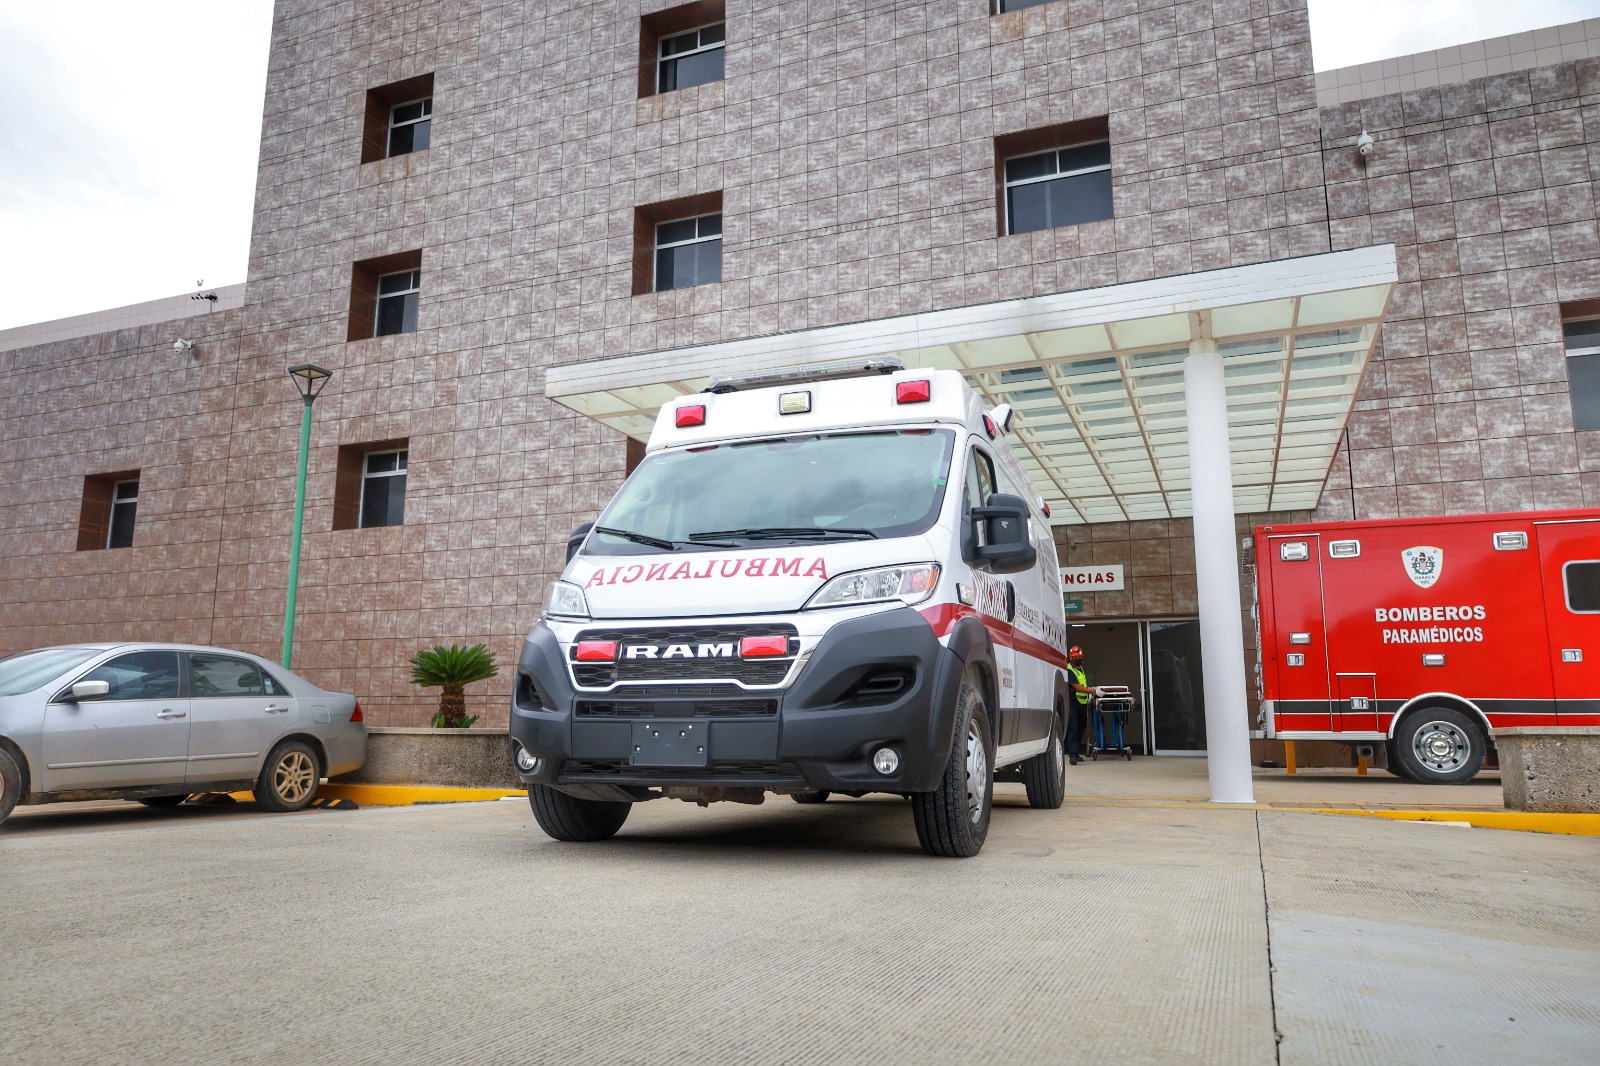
1585	825
405	795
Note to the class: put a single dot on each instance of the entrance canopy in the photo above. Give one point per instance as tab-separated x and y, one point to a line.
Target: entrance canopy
1096	377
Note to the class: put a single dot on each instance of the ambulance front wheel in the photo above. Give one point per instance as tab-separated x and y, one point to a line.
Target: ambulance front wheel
565	817
1439	746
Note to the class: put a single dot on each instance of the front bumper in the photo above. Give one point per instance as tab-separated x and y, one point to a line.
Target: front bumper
828	721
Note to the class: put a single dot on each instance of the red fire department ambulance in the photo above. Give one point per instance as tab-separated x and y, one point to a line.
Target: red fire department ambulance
1424	633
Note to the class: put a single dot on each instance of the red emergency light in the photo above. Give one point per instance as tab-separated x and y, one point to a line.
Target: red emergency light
596	651
763	647
692	415
913	391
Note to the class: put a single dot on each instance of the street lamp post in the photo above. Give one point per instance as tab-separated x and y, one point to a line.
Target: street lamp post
309	380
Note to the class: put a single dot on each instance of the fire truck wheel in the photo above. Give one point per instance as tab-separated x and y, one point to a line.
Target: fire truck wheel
565	817
820	796
953	819
1439	746
1045	775
1393	763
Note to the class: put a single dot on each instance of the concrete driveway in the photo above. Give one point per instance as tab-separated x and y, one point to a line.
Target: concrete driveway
1156	930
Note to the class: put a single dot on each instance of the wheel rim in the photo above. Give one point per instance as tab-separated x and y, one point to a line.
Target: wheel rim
1442	747
977	774
1058	752
293	777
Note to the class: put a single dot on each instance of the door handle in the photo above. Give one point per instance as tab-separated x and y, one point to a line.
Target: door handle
275	709
169	714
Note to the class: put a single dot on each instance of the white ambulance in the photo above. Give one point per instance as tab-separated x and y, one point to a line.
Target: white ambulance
830	580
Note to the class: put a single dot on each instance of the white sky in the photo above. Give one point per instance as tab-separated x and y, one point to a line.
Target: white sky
129	131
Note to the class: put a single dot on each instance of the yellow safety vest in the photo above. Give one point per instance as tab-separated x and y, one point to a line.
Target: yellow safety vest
1081	678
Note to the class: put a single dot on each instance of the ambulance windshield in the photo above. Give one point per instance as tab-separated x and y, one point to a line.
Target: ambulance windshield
784	489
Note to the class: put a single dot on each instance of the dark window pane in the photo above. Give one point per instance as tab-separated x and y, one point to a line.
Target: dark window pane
666	274
384	501
408	112
408	317
405	455
1583	380
682	42
420	135
1583	586
143	675
697	69
406	279
688	264
1030	166
127	490
708	262
401	140
710	225
397	314
1584	334
1084	198
1086	155
1018	5
1029	206
382	462
673	232
122	524
215	677
272	686
712	34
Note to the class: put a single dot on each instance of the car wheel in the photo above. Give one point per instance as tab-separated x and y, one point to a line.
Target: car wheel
164	801
953	820
10	784
565	817
289	779
1045	775
1439	746
811	797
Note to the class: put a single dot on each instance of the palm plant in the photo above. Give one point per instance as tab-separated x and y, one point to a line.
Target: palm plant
452	669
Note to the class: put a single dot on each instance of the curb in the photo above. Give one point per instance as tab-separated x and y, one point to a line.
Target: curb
1585	825
406	795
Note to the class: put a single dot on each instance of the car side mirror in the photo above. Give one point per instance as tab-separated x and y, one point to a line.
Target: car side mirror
1009	549
88	690
575	539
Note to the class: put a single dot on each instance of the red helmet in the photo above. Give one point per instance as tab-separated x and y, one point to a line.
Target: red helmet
1074	652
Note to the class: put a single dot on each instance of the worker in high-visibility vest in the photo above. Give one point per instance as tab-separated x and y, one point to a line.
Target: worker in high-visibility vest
1078	713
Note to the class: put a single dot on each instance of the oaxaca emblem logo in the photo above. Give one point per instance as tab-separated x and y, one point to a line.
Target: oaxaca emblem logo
1423	565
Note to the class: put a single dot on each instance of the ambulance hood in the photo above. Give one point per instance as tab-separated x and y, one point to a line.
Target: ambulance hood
762	579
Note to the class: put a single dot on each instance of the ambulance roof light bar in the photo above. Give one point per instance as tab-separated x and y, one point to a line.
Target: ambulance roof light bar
843	368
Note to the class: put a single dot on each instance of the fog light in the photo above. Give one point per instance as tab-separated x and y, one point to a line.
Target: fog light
886	761
527	763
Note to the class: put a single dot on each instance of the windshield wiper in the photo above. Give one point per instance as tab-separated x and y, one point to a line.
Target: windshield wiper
639	538
784	532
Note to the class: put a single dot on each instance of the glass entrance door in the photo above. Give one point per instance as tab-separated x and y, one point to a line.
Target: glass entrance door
1177	697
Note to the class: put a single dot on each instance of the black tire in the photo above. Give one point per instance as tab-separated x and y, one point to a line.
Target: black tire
1045	775
950	821
164	801
1392	761
1439	746
565	817
10	784
811	797
289	778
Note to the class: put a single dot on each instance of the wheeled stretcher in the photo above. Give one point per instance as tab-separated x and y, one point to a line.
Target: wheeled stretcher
1111	706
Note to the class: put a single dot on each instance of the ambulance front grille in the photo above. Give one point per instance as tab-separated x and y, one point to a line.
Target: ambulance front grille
591	675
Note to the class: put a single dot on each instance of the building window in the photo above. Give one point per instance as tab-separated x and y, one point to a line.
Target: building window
399	119
1002	6
110	505
688	252
689	59
681	47
1061	187
409	126
1583	371
370	487
677	244
397	303
384	295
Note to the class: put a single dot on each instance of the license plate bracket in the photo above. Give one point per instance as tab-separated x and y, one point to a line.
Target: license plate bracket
670	744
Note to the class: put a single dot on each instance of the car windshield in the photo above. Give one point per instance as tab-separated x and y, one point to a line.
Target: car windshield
785	489
28	670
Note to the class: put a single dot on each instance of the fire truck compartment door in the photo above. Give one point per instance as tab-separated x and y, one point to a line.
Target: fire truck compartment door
1355	708
1569	565
1300	634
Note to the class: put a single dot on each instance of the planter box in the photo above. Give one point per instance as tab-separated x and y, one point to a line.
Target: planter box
1550	768
463	758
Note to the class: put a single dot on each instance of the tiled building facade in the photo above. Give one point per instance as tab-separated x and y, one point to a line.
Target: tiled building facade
854	153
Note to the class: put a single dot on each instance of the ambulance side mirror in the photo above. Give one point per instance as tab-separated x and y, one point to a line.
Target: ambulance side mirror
575	539
1008	549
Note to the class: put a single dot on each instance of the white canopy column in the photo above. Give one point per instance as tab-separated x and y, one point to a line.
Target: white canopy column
1216	572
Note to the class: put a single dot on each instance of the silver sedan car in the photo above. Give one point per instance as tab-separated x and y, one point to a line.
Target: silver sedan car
159	722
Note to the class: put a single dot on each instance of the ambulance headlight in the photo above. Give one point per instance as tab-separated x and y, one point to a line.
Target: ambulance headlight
565	600
909	584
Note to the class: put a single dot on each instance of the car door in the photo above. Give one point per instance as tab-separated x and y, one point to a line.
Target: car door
996	600
237	713
136	734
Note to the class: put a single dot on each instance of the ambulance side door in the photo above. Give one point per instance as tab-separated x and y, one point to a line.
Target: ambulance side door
1299	632
991	592
1569	566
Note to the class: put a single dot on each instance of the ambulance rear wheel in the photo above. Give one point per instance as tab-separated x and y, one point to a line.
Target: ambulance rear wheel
1439	746
1045	775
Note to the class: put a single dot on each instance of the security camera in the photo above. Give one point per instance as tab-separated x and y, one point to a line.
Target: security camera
1364	144
181	345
